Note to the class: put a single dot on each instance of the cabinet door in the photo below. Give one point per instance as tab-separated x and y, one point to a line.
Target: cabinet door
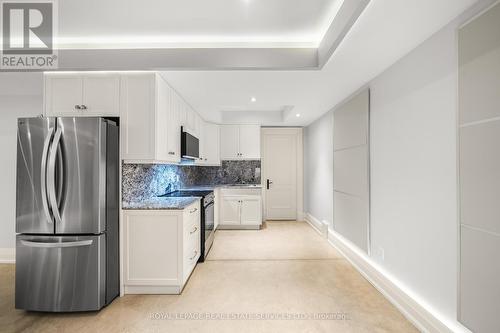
230	210
174	129
101	95
153	251
200	134
190	116
229	142
251	211
138	116
161	121
62	93
179	105
211	145
249	142
217	208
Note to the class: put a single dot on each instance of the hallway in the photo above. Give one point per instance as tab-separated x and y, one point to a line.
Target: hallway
283	278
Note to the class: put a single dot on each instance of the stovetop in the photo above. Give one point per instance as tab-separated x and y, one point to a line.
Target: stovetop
187	193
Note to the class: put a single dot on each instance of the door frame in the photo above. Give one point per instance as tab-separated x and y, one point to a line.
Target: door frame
298	132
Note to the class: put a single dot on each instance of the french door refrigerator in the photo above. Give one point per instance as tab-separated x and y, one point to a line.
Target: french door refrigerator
67	212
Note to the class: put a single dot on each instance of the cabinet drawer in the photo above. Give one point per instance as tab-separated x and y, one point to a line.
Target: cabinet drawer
191	257
191	217
191	237
192	213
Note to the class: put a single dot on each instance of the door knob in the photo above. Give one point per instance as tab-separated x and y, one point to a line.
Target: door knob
78	107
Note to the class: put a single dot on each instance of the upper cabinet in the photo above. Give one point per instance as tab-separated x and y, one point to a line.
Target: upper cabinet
92	94
149	119
240	142
151	116
209	144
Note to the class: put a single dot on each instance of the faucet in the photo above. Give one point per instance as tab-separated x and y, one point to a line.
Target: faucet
168	189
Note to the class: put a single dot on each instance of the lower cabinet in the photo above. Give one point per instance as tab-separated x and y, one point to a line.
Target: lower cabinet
240	209
162	248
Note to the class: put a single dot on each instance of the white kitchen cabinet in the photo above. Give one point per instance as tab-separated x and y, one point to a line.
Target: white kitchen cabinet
199	125
240	209
240	142
199	132
162	248
217	205
229	142
230	210
173	128
149	122
191	119
250	211
249	141
209	145
180	105
91	94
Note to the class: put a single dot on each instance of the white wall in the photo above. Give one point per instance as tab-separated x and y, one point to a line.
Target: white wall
20	96
318	169
413	173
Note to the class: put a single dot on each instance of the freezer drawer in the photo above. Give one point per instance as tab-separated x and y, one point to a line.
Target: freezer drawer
60	274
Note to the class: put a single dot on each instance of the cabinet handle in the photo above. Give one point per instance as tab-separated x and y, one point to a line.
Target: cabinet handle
194	210
84	107
194	256
78	107
194	230
171	153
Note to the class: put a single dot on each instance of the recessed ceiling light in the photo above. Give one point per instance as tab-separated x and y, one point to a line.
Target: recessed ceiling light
253	99
297	115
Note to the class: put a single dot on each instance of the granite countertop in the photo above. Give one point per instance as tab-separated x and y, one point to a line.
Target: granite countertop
160	203
212	187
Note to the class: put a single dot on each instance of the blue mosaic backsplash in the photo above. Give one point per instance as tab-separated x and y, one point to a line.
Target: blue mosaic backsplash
143	181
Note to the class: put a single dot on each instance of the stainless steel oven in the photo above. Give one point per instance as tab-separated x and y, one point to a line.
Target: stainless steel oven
207	216
207	220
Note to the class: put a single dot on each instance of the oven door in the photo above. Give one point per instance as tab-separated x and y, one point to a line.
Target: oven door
209	227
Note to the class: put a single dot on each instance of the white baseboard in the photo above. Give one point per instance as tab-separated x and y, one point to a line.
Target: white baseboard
7	255
300	216
320	227
421	315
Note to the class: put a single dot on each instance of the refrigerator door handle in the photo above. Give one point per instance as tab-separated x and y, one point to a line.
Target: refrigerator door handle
43	176
51	177
56	244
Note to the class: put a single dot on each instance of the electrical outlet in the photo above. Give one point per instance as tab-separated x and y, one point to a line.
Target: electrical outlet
381	253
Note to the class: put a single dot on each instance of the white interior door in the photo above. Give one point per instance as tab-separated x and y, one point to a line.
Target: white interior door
280	171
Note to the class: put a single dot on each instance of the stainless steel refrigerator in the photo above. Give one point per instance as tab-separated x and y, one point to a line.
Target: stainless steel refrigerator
67	212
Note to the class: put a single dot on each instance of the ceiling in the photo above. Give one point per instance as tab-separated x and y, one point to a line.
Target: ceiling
239	44
385	32
205	23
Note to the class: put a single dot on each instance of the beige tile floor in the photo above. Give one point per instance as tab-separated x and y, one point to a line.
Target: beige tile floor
286	268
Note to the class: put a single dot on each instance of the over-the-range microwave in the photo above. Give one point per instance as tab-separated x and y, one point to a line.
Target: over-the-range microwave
190	145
